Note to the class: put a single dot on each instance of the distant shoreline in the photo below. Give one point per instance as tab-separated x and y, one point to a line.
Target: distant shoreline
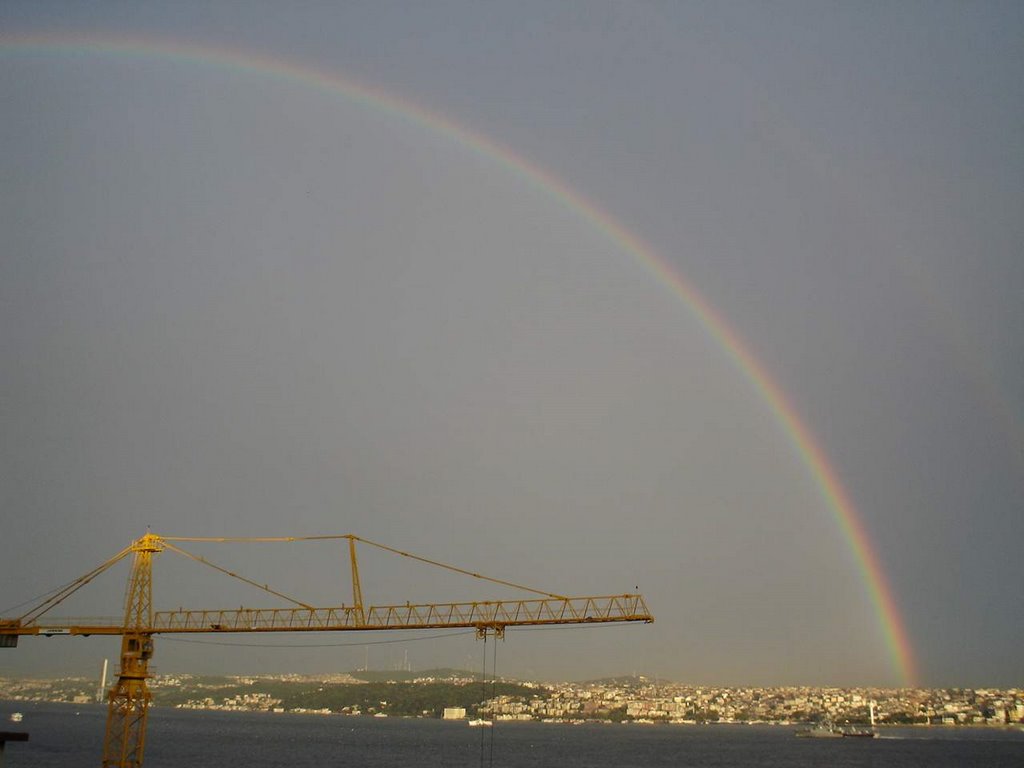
1015	727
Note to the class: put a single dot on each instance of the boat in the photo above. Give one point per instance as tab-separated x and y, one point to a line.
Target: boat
831	732
478	723
859	733
16	717
864	733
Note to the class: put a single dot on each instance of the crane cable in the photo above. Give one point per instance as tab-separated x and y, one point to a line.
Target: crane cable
494	683
264	587
483	699
61	594
353	537
459	570
483	691
168	639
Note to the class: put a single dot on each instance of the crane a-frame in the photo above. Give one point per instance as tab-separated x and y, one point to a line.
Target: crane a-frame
129	697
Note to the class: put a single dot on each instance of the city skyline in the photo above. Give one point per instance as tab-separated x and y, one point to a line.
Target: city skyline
614	700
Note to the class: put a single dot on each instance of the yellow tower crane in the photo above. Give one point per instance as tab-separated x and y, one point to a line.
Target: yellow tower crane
129	697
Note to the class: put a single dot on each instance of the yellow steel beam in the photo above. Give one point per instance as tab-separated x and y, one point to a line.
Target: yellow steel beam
487	613
357	588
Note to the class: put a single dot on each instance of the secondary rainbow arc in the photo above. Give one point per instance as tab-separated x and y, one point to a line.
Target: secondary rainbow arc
825	477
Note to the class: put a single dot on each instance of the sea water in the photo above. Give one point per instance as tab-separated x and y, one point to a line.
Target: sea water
67	736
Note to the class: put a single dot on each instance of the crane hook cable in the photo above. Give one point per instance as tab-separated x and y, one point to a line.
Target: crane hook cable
483	689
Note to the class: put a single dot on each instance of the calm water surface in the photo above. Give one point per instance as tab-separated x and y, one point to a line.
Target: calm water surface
69	736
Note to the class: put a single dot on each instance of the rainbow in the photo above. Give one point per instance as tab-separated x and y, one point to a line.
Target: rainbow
800	436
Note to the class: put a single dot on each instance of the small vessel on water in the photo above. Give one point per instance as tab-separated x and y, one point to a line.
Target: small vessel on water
859	733
479	722
829	731
864	733
16	717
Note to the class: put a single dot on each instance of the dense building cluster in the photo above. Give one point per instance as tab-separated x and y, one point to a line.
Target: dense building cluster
631	700
645	701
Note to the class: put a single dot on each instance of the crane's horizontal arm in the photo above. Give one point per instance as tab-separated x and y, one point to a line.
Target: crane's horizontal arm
479	615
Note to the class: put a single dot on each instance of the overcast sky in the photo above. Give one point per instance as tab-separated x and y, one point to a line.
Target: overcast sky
232	304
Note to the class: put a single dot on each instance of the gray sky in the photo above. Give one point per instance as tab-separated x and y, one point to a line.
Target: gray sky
236	305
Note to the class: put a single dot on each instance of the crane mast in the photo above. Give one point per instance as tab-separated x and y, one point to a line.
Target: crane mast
129	697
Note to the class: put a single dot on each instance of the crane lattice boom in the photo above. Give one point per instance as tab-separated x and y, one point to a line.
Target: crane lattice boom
489	614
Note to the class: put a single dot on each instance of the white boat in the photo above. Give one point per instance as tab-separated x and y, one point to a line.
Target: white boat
477	723
16	717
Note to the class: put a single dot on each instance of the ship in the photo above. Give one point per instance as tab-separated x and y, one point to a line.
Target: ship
859	733
829	731
16	717
864	733
478	722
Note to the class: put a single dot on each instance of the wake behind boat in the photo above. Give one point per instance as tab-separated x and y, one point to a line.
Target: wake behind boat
819	732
